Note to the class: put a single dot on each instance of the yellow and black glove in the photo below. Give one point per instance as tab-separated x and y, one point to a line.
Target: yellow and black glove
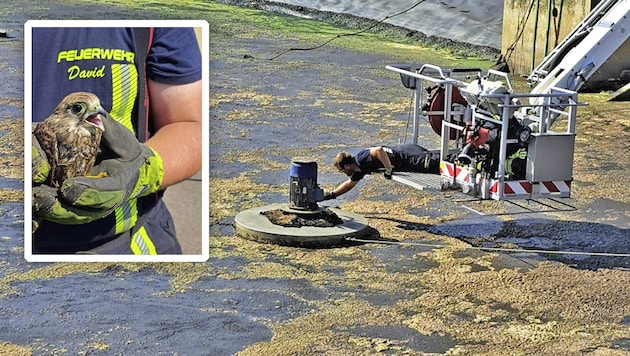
129	170
39	162
388	172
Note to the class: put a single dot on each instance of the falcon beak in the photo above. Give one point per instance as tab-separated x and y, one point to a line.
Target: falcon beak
96	119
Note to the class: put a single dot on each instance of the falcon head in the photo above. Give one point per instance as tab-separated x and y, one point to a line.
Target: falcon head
82	110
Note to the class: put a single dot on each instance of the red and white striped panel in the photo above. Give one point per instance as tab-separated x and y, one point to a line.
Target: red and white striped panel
526	189
511	189
518	189
448	169
556	188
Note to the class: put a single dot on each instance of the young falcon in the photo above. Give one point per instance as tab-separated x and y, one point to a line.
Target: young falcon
71	135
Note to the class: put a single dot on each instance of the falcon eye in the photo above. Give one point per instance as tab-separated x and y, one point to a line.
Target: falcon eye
77	109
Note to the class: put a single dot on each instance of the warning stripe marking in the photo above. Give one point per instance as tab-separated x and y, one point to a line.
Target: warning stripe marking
451	170
514	188
555	187
510	188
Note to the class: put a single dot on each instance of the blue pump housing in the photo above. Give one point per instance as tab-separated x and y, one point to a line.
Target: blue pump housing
304	191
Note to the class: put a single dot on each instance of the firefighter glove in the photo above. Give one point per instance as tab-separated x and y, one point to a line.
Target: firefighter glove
129	170
48	205
388	172
39	162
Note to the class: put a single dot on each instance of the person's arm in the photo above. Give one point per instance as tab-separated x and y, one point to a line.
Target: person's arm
344	187
381	155
176	111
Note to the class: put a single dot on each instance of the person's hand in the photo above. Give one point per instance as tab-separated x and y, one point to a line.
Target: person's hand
388	172
39	162
329	195
129	170
48	204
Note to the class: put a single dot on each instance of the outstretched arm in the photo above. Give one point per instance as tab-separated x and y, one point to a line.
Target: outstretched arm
344	187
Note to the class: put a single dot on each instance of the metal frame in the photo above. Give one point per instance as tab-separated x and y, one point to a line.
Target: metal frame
421	77
541	114
556	80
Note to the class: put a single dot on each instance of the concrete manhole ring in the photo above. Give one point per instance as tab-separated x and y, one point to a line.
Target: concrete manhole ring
251	224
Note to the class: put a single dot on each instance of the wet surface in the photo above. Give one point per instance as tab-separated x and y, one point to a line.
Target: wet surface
420	289
136	320
468	21
11	183
535	233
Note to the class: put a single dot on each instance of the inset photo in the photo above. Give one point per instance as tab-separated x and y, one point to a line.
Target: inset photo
116	130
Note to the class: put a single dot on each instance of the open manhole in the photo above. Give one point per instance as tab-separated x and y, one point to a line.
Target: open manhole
272	224
323	218
301	222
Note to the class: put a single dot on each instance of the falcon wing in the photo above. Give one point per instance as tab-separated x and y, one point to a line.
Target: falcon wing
77	154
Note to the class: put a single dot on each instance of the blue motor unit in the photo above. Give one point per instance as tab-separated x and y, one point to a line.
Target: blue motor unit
304	190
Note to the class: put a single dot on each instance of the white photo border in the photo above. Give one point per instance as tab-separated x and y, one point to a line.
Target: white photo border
28	100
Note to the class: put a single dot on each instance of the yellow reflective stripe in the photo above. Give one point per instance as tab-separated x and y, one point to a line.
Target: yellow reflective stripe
124	91
141	244
126	216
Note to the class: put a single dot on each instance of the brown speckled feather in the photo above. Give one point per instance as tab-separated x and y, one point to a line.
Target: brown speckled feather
71	135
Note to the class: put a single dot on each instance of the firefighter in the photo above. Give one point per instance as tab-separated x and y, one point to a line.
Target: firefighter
401	158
